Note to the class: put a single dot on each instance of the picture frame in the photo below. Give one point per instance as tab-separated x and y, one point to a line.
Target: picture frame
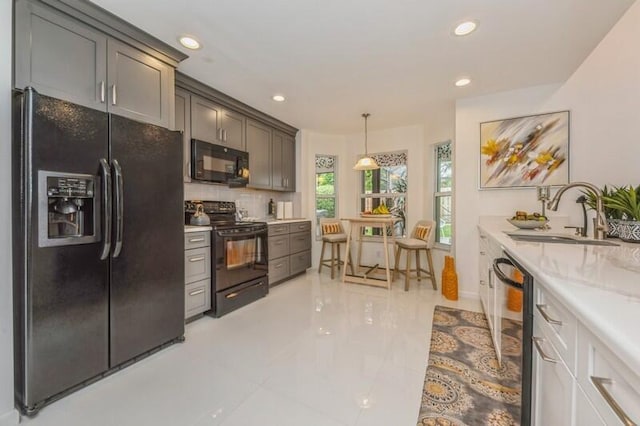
525	152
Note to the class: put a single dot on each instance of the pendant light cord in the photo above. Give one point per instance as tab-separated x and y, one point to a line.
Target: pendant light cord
366	149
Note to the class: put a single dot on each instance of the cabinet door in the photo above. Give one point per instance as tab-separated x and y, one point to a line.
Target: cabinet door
183	124
140	86
59	57
206	118
493	317
233	126
259	149
586	415
289	163
277	166
552	387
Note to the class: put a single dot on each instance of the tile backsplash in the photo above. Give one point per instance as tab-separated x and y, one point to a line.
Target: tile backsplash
255	201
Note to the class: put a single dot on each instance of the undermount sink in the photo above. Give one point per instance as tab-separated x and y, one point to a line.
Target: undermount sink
559	239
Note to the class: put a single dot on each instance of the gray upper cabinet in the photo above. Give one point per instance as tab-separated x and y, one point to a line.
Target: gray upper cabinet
65	58
283	162
212	123
183	124
233	127
59	57
140	86
206	118
259	149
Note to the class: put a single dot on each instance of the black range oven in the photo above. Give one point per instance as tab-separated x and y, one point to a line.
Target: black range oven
239	258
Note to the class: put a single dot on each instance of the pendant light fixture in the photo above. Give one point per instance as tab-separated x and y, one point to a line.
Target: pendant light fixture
366	162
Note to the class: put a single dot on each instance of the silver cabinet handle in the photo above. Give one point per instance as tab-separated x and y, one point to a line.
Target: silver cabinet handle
102	91
197	292
220	133
196	259
278	243
114	98
302	226
543	311
279	265
196	240
543	355
482	282
599	383
224	134
106	205
119	207
482	253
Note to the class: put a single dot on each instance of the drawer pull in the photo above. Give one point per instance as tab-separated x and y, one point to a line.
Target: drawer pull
196	240
302	226
482	253
279	265
543	311
599	383
196	259
482	282
197	292
279	243
544	356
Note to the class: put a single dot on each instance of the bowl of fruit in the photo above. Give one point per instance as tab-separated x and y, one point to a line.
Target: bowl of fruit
523	220
380	211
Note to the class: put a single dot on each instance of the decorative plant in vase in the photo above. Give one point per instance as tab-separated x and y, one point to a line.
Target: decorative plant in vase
626	201
612	215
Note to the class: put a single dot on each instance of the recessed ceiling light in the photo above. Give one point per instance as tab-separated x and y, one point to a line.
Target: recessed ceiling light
189	42
465	28
463	82
278	98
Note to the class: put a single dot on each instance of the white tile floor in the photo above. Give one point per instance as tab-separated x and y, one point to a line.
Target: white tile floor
313	352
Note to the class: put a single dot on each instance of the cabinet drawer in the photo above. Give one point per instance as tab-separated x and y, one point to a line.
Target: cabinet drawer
197	264
299	227
299	262
279	229
278	246
586	414
197	298
299	241
603	376
557	324
197	239
278	269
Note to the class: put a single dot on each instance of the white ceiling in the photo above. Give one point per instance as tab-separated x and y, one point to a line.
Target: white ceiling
397	60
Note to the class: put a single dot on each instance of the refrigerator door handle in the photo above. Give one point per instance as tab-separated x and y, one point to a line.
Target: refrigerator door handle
106	205
119	207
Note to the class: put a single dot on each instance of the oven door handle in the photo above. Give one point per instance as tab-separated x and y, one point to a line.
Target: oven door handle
239	234
501	275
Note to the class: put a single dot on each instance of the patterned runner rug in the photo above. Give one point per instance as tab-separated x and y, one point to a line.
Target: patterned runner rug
464	385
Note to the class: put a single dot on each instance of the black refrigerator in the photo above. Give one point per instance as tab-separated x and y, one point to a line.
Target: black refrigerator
98	244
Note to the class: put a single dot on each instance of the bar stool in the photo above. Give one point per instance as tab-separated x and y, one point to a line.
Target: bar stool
333	233
423	237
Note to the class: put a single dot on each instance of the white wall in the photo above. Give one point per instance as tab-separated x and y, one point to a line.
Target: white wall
603	96
7	413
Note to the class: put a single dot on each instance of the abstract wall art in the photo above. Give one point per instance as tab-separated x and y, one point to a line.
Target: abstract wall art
525	151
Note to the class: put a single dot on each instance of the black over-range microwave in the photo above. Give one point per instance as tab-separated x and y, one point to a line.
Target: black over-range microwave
219	164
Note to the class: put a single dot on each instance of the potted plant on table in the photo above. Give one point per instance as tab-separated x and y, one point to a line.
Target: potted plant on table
626	201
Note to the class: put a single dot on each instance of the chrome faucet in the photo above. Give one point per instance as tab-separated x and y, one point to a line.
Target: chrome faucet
599	224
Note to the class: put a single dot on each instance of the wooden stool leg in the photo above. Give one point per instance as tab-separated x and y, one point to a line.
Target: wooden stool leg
333	260
395	268
431	271
321	257
339	260
349	259
418	264
407	273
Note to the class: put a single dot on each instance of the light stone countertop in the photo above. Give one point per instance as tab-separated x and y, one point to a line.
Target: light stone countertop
272	221
599	284
192	228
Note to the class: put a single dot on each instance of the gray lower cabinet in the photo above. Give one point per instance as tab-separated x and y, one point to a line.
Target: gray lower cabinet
259	149
197	272
67	59
289	250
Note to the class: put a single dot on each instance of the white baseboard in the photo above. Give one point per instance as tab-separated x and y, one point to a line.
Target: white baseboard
10	418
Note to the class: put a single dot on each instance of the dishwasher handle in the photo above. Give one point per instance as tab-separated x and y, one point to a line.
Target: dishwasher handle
501	275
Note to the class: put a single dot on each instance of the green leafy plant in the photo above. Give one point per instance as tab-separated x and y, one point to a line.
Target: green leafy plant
609	211
624	200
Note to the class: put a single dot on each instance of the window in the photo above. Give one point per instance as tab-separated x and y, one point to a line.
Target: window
326	193
443	190
388	186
